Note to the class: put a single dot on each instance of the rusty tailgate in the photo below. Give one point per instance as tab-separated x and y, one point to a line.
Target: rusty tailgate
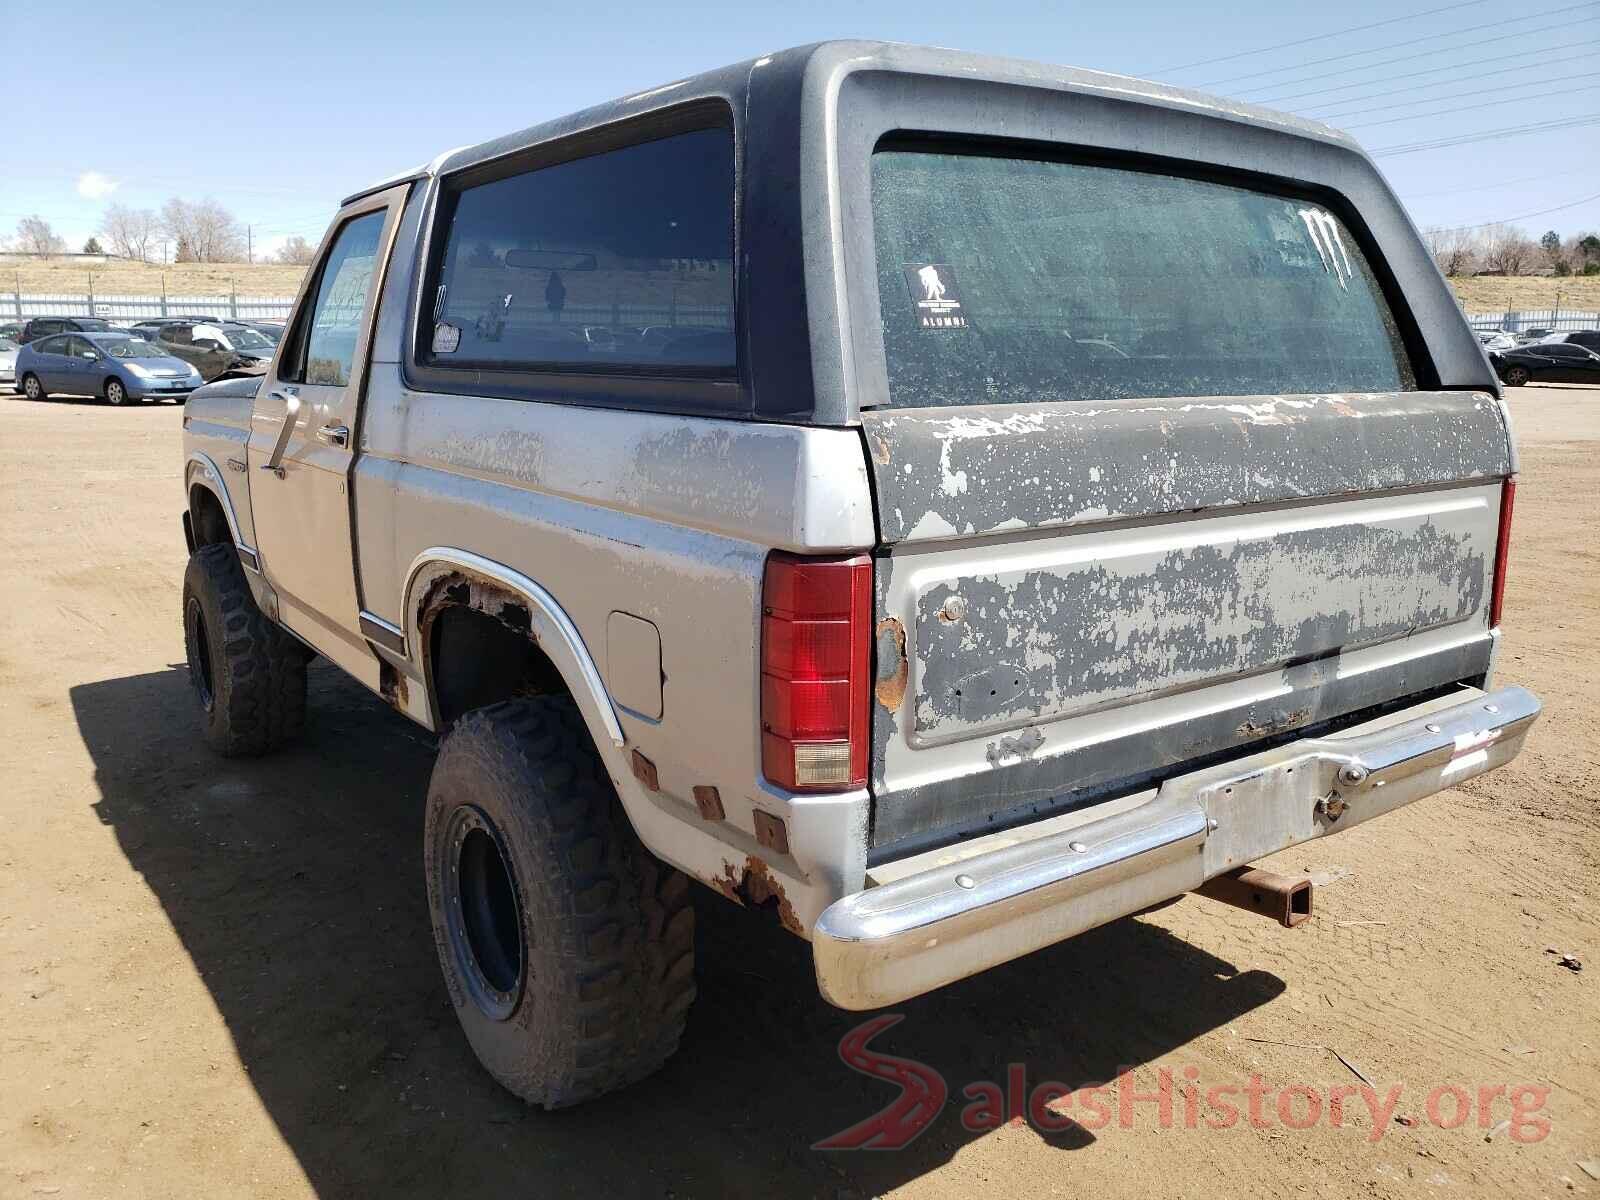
1079	597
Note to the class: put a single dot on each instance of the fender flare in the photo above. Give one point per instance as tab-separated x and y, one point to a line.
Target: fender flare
200	463
549	626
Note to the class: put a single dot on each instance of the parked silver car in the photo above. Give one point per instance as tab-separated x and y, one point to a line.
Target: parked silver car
8	362
117	367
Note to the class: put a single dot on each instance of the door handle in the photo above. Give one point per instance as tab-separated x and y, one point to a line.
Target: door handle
334	435
291	413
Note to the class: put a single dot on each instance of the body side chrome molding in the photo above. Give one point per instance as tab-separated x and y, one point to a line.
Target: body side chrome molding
375	629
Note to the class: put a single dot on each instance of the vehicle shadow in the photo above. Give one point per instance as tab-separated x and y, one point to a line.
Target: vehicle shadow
294	884
93	401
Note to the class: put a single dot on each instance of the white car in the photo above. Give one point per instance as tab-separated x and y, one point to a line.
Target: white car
8	363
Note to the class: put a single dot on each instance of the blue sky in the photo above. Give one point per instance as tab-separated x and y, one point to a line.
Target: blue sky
278	109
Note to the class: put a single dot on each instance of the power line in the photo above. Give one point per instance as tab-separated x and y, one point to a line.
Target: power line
1487	135
1205	62
1470	107
1521	217
1333	114
1490	187
1432	37
1344	87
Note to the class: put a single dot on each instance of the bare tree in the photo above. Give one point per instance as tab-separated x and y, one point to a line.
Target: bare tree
35	237
297	251
1453	249
203	232
132	232
1506	250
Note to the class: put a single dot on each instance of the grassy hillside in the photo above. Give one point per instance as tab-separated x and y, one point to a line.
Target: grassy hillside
1478	294
1486	293
136	279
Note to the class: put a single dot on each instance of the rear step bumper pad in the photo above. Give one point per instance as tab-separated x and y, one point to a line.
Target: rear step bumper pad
892	942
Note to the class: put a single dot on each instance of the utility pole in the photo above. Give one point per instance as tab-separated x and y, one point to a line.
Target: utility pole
250	244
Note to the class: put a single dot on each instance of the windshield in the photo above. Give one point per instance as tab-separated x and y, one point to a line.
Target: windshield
248	339
1005	280
128	347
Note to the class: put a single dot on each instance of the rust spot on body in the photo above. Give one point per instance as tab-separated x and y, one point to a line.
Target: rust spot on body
1250	728
459	589
392	685
756	886
893	668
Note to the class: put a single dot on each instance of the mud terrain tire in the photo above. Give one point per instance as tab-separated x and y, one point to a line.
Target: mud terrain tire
248	674
567	949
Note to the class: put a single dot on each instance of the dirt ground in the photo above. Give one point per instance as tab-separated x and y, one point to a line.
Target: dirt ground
216	978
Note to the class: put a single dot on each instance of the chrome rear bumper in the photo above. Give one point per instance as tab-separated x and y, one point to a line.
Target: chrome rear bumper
906	937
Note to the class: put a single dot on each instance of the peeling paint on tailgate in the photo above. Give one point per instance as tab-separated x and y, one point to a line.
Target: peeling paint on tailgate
1087	623
1091	594
944	473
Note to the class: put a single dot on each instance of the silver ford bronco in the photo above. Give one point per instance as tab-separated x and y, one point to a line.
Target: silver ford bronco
949	503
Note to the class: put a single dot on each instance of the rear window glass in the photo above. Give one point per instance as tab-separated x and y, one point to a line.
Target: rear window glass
1005	280
623	259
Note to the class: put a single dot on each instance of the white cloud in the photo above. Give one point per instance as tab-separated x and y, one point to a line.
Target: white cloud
94	186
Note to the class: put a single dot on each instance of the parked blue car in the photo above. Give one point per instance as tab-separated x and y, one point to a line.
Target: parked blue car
115	366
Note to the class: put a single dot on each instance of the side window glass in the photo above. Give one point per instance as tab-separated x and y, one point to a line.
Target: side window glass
53	345
623	259
76	347
178	335
325	348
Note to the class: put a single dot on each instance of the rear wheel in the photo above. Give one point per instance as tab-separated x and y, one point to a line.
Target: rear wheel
32	388
116	394
248	674
567	949
1517	376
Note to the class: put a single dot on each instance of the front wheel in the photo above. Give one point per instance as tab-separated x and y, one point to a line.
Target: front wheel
116	394
248	674
32	388
1517	376
567	949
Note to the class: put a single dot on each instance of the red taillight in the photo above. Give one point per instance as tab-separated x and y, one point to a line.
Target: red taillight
1502	552
816	629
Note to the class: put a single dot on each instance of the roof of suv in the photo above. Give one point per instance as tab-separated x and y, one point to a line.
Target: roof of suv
822	68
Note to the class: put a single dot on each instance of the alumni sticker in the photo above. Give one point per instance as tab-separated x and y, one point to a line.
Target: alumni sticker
933	292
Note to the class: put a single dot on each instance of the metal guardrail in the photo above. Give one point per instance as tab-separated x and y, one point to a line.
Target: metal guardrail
1558	320
22	305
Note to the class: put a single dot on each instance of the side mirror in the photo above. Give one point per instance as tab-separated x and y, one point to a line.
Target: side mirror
90	355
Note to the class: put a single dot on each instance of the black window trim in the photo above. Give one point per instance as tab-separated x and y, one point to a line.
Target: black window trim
691	390
1412	344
